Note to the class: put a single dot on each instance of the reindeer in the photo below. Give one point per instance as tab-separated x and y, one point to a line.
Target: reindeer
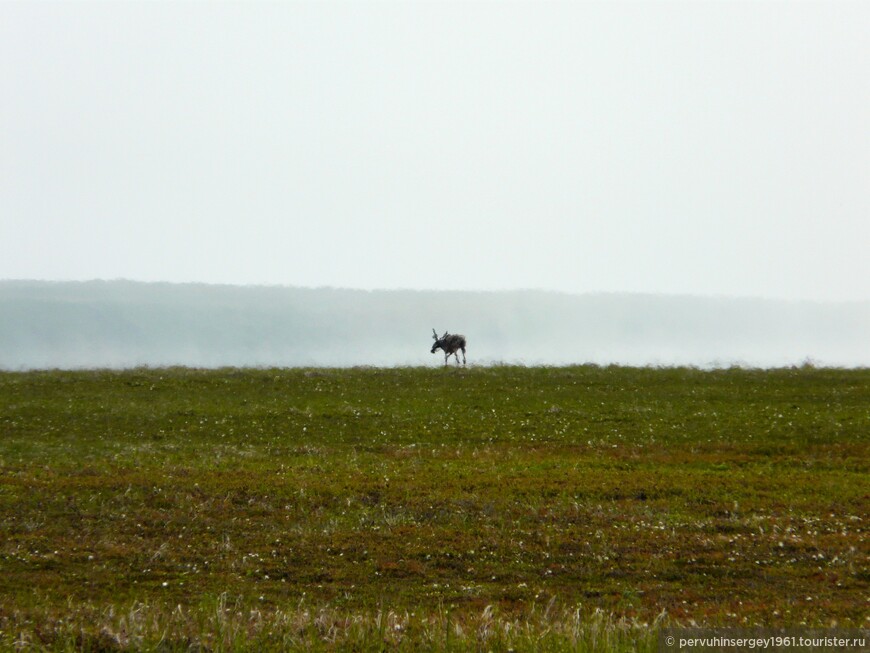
449	344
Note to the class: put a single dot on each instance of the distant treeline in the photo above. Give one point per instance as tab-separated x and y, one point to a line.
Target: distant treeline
124	324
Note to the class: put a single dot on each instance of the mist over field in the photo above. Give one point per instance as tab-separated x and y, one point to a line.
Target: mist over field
124	324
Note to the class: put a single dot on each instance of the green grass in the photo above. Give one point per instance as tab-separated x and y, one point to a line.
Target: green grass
444	509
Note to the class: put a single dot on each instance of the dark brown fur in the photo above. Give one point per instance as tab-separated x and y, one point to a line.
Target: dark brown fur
450	344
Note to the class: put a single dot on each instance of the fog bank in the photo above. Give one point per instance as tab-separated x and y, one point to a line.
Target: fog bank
125	324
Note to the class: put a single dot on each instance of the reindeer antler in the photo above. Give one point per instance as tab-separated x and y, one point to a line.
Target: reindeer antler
435	334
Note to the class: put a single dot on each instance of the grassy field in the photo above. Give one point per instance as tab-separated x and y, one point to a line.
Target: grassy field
442	509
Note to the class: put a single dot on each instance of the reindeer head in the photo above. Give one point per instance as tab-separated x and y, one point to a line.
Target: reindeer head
438	340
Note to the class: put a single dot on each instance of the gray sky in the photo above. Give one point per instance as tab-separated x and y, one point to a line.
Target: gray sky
699	148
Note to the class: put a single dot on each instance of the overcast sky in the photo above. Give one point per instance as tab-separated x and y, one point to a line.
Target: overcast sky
699	148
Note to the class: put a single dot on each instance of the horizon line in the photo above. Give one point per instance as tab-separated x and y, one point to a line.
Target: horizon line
476	291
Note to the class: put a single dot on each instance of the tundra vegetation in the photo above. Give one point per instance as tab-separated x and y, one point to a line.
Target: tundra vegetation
487	508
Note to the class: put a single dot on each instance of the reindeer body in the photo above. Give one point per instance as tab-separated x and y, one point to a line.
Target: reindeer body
450	344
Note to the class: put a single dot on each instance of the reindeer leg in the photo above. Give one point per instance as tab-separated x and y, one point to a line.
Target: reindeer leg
446	356
463	356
